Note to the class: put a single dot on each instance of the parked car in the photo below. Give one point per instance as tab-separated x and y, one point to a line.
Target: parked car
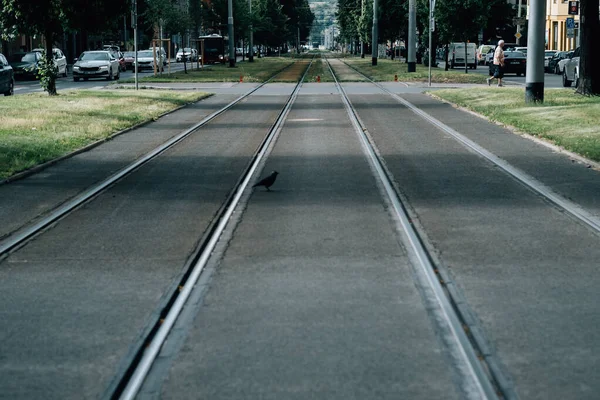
25	65
571	70
522	49
146	60
190	54
456	55
160	53
121	58
489	57
60	61
515	62
129	58
7	77
560	66
96	64
552	66
482	52
548	54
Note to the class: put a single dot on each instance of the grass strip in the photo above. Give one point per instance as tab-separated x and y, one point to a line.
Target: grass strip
566	119
385	70
259	70
36	128
318	69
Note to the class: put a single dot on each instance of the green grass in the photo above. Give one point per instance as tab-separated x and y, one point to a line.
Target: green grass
385	70
258	71
319	68
565	118
35	128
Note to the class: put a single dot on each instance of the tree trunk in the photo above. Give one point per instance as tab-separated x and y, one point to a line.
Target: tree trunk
50	61
446	57
589	73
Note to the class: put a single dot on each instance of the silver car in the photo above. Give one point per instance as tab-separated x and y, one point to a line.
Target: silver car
60	61
571	70
96	64
146	60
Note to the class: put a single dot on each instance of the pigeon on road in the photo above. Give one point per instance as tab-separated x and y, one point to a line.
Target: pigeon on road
268	181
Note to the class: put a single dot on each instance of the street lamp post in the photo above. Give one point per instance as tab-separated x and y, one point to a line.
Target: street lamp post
374	34
230	33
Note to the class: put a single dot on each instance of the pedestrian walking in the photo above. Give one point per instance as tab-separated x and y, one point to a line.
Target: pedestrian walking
498	64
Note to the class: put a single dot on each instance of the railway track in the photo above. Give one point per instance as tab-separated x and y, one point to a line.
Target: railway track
477	372
20	236
477	368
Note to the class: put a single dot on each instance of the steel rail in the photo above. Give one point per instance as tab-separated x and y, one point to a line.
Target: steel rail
151	352
27	231
569	206
424	267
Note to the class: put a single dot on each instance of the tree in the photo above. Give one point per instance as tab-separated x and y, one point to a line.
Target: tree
450	16
36	17
589	73
269	22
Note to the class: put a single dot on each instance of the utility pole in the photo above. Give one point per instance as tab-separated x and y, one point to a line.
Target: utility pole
519	22
431	29
251	55
230	33
362	42
374	34
135	42
534	80
412	32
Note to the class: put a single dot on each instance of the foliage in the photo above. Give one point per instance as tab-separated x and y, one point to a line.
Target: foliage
270	23
47	73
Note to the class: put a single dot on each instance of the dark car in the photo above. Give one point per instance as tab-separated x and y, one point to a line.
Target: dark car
25	65
515	62
553	62
7	77
129	57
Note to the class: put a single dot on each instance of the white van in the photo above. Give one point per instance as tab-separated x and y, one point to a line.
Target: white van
456	55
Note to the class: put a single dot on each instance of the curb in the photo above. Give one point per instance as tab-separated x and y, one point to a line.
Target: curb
542	141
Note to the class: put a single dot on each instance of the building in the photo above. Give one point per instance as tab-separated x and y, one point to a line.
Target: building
557	12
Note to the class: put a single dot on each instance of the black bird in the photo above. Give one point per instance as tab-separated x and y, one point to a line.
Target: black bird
268	181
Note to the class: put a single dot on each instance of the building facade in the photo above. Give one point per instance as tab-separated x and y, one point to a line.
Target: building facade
557	12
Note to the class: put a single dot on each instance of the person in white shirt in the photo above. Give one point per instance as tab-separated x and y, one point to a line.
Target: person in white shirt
498	64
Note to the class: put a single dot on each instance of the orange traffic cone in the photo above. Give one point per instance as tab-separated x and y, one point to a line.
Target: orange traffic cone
241	78
396	78
318	78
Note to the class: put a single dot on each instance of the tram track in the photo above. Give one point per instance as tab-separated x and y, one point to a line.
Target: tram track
570	207
485	379
23	234
134	377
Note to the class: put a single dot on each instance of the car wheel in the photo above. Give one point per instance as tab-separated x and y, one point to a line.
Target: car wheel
118	75
110	75
577	82
11	88
565	81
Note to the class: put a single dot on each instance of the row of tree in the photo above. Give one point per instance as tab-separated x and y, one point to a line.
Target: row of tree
274	22
462	21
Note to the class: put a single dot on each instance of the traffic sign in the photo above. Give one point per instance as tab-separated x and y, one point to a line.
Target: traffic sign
573	7
518	35
570	24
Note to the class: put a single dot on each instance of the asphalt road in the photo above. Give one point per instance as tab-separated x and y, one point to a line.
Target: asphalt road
310	294
550	80
65	83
